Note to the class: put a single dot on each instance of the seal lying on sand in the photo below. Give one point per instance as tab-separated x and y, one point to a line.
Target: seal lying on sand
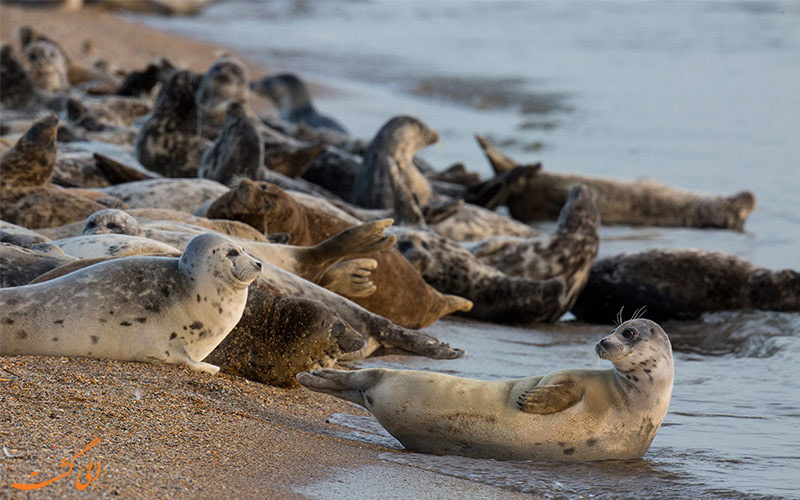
500	297
393	145
683	284
564	415
624	202
401	296
137	309
291	96
168	142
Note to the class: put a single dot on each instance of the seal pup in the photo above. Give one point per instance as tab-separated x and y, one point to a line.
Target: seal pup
238	151
169	142
171	310
401	295
394	144
293	100
624	202
46	66
499	297
565	415
225	82
682	284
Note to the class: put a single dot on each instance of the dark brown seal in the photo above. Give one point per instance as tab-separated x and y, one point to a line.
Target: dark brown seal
683	284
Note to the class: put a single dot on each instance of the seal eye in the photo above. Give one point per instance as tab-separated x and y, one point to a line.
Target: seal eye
629	333
233	253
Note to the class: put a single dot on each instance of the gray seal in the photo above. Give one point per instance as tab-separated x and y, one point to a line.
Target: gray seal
565	415
171	310
237	153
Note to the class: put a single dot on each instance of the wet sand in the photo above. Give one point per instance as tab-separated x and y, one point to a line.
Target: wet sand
165	431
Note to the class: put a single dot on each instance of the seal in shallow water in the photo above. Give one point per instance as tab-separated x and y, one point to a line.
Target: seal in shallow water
136	309
564	415
683	284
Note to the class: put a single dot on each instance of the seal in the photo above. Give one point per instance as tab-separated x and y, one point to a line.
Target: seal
46	66
183	195
401	294
393	145
171	310
168	142
225	82
112	245
237	153
26	196
683	284
293	100
19	266
497	296
624	202
565	415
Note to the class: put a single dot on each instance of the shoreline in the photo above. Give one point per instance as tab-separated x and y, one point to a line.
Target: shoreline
165	431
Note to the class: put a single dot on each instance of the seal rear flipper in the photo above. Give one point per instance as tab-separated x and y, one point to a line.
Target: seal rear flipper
357	240
495	192
347	385
544	399
500	162
117	172
437	211
350	278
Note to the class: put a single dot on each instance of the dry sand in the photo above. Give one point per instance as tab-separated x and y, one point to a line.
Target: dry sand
165	431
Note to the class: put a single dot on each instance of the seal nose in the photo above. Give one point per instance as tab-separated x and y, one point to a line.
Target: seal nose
258	264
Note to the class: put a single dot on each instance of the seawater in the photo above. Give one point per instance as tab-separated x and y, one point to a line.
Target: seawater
698	95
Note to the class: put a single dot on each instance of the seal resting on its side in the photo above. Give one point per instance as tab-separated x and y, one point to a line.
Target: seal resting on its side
173	310
683	284
564	415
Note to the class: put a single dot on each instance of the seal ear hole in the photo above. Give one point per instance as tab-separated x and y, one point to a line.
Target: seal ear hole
232	253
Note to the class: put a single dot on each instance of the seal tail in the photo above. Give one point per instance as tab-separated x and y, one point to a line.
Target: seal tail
347	385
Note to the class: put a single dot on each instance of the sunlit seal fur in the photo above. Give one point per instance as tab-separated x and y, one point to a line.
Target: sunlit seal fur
172	310
293	100
683	284
394	144
237	153
112	245
46	66
185	195
501	297
565	415
625	202
169	142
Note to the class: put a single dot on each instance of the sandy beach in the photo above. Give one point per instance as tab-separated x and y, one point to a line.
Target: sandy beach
165	431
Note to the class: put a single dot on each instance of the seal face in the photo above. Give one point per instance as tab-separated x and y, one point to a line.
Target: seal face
224	82
137	309
46	66
565	415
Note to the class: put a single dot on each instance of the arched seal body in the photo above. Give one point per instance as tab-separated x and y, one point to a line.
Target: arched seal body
237	153
169	142
137	309
225	82
683	284
564	415
393	147
545	291
291	96
401	295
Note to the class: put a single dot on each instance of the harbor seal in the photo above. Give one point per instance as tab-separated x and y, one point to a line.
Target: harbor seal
293	100
19	266
393	145
169	142
625	202
237	153
682	284
171	310
565	415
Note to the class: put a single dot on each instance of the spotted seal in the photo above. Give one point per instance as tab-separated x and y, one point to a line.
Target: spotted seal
293	100
185	195
169	142
564	415
171	310
683	284
237	153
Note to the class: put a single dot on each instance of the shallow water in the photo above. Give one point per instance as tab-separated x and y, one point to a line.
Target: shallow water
699	95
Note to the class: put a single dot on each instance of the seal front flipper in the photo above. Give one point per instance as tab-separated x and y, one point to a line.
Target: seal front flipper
552	398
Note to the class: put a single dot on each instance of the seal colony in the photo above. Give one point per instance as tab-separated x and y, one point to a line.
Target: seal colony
150	214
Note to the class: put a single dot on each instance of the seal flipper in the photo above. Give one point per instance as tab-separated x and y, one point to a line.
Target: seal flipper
437	211
350	278
347	385
500	162
552	398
